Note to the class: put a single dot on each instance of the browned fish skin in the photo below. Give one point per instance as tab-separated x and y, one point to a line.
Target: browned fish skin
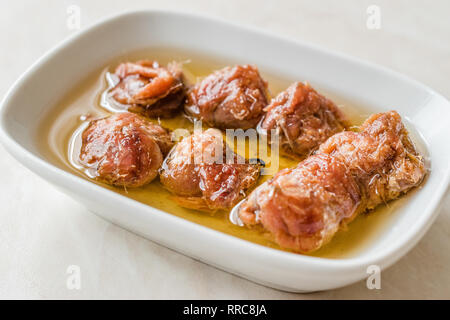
351	172
149	89
124	150
381	157
206	182
233	97
303	118
304	206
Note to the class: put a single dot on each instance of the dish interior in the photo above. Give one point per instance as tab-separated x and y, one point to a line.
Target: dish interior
58	144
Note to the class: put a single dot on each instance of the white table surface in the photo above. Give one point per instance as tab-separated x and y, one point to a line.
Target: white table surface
42	231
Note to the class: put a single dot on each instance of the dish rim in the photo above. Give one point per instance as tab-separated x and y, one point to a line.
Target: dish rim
384	258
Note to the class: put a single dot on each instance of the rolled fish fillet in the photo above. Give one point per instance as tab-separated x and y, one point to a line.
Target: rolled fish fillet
304	207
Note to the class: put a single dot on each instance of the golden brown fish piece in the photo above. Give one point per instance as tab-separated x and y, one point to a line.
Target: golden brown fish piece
124	149
303	207
352	172
233	97
302	118
149	89
380	156
197	172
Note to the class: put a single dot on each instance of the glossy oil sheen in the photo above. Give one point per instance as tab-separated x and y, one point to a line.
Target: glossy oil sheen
56	135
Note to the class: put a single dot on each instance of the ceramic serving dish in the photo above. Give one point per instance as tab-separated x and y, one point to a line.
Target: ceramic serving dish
37	91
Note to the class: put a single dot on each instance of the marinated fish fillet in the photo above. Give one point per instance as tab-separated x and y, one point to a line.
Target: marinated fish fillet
304	207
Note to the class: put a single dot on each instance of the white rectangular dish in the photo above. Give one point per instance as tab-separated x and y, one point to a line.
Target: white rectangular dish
37	91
